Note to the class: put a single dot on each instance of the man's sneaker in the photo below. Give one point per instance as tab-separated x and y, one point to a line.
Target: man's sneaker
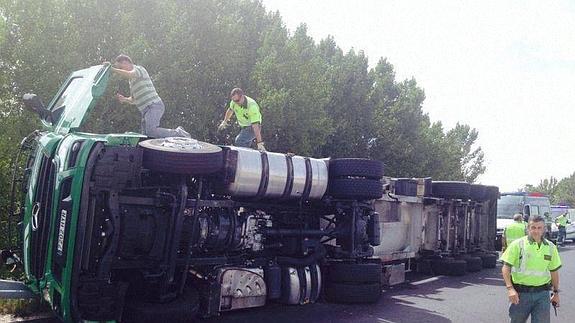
183	132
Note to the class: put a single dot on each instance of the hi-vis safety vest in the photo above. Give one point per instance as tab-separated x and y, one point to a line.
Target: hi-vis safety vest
561	220
514	231
531	264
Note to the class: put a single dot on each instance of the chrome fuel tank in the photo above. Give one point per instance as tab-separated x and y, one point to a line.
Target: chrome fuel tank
273	175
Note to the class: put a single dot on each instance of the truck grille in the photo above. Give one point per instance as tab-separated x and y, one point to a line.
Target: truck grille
41	222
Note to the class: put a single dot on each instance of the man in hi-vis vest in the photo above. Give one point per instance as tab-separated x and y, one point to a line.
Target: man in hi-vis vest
514	231
530	270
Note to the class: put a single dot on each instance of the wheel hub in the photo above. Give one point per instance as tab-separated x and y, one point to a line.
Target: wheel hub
181	143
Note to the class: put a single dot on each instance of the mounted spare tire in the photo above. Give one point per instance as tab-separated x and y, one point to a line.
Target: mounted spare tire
355	167
180	155
451	190
355	188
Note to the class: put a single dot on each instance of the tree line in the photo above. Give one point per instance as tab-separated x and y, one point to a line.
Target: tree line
316	99
560	192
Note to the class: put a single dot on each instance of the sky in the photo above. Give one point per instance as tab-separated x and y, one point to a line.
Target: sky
506	68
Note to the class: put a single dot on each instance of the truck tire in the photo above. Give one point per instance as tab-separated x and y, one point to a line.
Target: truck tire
498	243
182	309
449	266
439	265
355	167
349	293
424	267
354	273
488	260
182	156
451	190
477	192
474	263
456	267
355	188
491	192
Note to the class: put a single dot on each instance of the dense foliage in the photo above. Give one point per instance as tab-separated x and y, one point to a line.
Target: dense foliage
560	192
316	100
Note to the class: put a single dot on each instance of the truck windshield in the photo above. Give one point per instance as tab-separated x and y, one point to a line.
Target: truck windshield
66	98
508	205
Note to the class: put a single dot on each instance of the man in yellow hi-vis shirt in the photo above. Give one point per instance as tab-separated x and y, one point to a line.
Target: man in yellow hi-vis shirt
514	231
561	222
247	112
530	269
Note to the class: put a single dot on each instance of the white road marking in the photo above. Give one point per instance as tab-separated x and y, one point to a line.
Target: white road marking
428	280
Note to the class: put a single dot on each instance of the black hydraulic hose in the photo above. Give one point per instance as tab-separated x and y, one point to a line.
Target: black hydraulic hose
392	197
308	260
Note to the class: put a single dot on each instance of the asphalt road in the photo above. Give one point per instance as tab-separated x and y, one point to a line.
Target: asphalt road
476	297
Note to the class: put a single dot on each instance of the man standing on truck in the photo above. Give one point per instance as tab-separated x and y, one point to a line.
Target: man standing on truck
249	118
513	231
530	270
561	222
144	96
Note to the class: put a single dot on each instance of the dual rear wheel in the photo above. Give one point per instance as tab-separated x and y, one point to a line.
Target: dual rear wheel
353	283
355	178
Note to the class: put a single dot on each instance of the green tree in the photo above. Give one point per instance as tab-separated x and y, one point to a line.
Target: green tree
565	191
559	191
315	99
349	109
468	157
294	93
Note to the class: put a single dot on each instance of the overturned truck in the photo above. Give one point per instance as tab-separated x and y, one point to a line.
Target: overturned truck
120	227
125	228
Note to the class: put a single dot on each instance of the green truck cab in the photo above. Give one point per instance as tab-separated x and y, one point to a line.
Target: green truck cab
124	228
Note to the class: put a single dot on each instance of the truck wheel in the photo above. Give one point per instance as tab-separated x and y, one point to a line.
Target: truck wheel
456	267
182	156
424	267
182	309
354	273
477	192
474	264
352	293
488	260
449	266
491	192
355	188
439	265
355	167
451	190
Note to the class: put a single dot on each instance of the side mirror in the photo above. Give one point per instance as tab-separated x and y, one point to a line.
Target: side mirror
33	103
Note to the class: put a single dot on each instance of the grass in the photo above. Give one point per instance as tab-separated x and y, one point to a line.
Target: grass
22	307
19	307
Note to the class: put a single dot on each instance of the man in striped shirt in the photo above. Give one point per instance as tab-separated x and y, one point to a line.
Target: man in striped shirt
144	96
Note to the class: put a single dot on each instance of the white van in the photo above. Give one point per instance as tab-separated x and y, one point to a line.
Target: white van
527	204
